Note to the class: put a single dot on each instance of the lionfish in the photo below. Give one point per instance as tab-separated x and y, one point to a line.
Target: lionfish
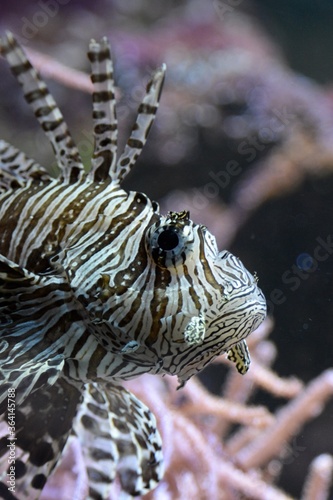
96	286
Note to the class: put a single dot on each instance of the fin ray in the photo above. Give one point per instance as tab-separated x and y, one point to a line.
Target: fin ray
45	108
146	116
16	169
104	111
43	423
112	424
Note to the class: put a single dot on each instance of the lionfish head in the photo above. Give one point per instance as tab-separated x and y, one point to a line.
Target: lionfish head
175	299
210	302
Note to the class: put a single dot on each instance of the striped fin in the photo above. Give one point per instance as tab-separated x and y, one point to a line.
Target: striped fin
28	378
27	359
146	115
16	280
13	279
16	169
104	111
43	423
45	108
119	438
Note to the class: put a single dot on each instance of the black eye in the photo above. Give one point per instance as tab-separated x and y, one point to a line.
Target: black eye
168	239
169	243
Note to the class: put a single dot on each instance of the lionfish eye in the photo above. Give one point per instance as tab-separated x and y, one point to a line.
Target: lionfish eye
168	239
169	244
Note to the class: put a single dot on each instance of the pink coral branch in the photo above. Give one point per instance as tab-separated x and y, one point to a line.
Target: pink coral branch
249	484
288	421
50	68
269	381
319	479
195	393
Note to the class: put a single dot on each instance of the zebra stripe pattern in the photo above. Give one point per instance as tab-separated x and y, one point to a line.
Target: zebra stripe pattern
97	287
